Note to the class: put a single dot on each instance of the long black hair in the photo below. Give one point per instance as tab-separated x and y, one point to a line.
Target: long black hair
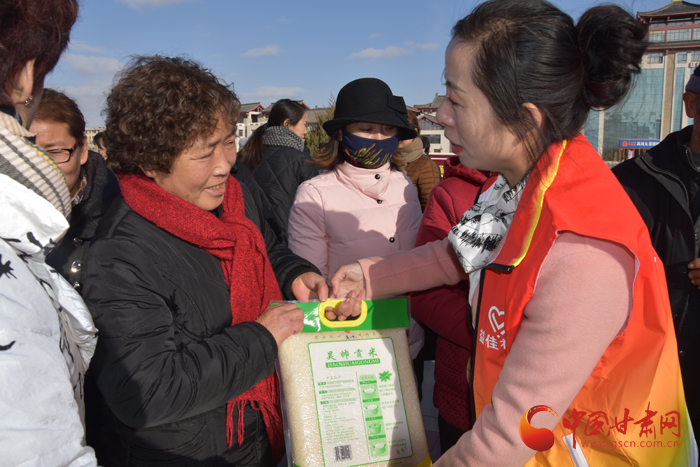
252	153
529	51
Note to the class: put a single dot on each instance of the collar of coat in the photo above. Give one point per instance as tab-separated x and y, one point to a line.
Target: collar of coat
658	162
660	157
365	180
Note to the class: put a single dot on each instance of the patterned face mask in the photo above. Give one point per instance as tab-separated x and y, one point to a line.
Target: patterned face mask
368	153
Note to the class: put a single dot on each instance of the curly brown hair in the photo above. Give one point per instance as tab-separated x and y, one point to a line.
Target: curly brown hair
159	108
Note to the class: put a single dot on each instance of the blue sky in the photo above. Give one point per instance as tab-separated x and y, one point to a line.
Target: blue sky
273	49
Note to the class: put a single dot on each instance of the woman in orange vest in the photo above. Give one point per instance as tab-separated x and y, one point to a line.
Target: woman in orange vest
575	360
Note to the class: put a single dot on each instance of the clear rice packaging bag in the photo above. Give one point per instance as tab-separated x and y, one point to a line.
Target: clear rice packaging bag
349	392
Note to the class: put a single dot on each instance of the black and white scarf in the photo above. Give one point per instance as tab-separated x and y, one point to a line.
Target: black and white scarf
281	136
477	236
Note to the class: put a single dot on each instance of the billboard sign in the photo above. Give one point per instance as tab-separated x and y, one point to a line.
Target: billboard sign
638	143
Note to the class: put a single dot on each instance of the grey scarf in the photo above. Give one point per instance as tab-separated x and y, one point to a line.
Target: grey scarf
281	136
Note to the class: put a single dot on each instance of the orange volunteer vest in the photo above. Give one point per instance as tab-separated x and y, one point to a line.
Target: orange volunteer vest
571	189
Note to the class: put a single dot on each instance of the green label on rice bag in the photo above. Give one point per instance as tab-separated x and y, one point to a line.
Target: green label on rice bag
376	314
359	402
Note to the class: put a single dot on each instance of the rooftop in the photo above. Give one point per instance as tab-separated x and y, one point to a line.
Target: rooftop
245	108
676	7
432	119
673	45
434	104
312	114
268	109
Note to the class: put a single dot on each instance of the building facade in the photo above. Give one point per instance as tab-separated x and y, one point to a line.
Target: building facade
251	118
440	147
654	106
90	133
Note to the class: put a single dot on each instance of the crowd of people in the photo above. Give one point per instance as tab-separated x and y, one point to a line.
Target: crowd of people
140	286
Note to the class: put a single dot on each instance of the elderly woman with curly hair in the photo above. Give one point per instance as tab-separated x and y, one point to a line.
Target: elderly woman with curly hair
180	285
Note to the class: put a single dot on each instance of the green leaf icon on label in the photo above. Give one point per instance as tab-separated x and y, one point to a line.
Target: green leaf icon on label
384	376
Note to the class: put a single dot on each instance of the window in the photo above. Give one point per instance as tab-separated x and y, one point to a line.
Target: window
679	22
637	117
696	34
657	36
655	58
426	124
678	99
658	23
695	57
682	57
678	35
433	139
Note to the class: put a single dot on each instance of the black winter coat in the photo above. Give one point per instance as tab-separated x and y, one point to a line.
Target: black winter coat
70	255
167	357
279	175
662	201
245	176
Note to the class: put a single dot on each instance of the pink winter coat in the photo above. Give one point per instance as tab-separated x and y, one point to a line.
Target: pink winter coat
350	213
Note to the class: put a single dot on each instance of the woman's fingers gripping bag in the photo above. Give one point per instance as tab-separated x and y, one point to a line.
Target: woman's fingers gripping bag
349	388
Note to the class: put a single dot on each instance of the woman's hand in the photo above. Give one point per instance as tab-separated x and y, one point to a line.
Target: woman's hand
310	286
282	320
349	308
347	279
348	282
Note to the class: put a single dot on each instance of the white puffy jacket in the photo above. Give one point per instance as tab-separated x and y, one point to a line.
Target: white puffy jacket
47	337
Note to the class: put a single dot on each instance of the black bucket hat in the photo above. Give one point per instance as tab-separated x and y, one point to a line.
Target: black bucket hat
370	100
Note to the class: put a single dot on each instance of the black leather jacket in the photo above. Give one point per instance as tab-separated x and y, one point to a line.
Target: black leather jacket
167	357
662	200
70	255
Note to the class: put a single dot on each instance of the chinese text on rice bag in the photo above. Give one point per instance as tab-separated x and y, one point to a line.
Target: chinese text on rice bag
349	389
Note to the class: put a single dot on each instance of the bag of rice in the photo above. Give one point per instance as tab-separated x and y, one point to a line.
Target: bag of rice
349	390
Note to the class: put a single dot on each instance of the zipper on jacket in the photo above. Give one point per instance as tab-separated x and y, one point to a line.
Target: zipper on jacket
501	267
471	365
472	407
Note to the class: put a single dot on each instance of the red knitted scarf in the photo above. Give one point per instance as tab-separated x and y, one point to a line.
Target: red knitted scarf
238	244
